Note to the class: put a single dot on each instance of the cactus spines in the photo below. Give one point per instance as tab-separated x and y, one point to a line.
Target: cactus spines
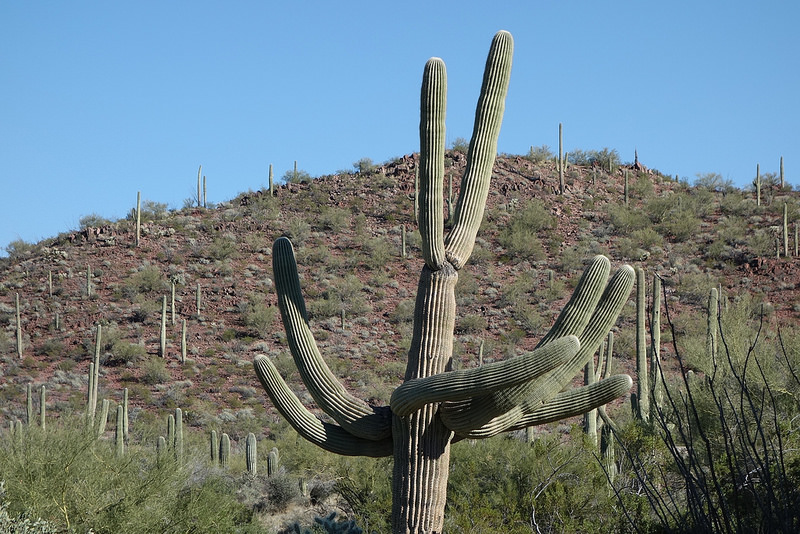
18	326
643	383
224	449
273	461
178	443
433	407
163	337
42	407
251	454
119	433
214	448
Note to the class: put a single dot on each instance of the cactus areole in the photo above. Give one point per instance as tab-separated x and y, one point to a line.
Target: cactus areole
436	406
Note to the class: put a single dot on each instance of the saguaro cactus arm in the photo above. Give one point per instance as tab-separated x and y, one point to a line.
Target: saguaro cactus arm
327	436
482	150
354	415
458	385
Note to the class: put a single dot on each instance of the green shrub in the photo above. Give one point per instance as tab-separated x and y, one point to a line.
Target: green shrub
92	220
520	236
539	154
154	371
147	279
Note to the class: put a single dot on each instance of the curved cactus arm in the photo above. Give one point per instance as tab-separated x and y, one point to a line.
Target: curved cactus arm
354	415
325	435
433	101
595	311
577	401
457	385
601	411
482	150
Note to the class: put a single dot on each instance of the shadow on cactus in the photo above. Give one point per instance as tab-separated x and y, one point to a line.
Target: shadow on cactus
436	406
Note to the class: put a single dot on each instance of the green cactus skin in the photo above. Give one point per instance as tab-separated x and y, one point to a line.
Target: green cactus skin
172	304
50	283
758	184
125	414
162	351
273	462
197	299
96	369
642	375
224	450
251	454
90	390
171	430
103	420
161	449
214	448
607	452
183	341
783	182
18	327
42	408
29	404
590	417
178	444
199	172
205	190
436	406
119	434
271	183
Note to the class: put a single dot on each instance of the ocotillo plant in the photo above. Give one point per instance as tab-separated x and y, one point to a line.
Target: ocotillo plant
251	454
435	407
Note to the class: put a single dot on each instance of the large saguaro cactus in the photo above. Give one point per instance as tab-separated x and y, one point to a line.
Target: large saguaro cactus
436	406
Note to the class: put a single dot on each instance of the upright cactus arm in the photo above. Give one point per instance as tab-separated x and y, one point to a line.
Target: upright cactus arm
464	384
327	436
352	414
433	101
482	150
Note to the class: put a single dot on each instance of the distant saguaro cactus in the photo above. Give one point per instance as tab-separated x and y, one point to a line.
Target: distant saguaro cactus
434	406
251	454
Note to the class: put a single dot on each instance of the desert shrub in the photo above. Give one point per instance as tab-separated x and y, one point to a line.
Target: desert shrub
123	353
147	279
72	480
258	316
377	253
92	220
154	371
471	324
520	236
221	248
333	219
152	211
539	154
298	230
625	219
19	248
364	165
715	182
298	176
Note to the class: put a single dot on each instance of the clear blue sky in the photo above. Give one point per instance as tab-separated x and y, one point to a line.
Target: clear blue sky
104	99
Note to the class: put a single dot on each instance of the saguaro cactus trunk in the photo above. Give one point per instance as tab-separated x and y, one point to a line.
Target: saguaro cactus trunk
436	406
